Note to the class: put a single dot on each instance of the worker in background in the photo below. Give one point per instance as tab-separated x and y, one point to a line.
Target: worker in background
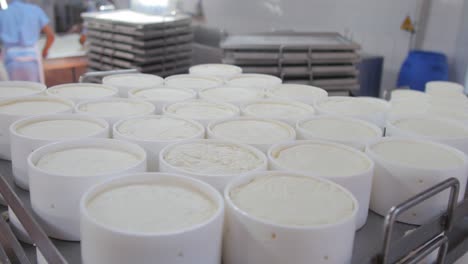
21	25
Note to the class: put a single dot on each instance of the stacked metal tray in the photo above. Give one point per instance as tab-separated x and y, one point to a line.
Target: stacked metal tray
327	60
126	39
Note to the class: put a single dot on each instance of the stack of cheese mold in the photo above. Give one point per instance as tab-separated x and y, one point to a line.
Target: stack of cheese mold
344	130
216	162
192	81
14	109
60	173
298	92
202	111
154	132
319	158
258	132
13	89
125	82
221	71
162	96
406	167
167	219
279	217
79	92
231	94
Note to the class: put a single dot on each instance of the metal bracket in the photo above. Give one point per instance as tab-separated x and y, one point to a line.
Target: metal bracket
454	186
85	77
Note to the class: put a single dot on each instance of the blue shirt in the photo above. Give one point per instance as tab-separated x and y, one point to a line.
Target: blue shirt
21	24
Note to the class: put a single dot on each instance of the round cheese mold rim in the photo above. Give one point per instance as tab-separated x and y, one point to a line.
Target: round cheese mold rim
407	94
83	95
150	108
36	88
152	146
285	93
252	94
218	181
246	110
140	80
141	245
443	88
170	109
321	238
358	183
262	146
255	80
360	144
22	144
174	81
55	197
217	70
160	102
38	98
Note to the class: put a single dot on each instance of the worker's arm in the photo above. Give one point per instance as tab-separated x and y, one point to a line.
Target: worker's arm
50	37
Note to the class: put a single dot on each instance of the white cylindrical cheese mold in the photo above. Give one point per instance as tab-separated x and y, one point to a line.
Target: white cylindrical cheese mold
114	109
126	82
268	242
79	92
55	197
14	89
12	110
407	94
230	94
154	146
202	111
217	180
283	110
443	89
366	108
162	96
191	81
200	243
222	71
262	82
261	133
344	130
298	92
359	183
444	131
399	178
22	145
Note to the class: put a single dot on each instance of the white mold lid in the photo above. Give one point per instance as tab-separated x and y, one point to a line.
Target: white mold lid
254	80
298	92
430	127
191	81
162	93
223	71
230	94
202	110
134	80
278	109
342	105
82	91
11	89
442	88
115	107
35	105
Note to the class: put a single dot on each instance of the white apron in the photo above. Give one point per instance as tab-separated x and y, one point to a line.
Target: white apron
23	64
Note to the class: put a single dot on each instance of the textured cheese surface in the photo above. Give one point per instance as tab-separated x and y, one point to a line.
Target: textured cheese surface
164	94
230	94
151	208
34	107
351	106
339	129
133	80
253	131
432	128
199	110
321	159
14	91
213	158
416	154
82	91
59	129
298	92
87	161
218	70
116	108
293	200
192	82
255	81
281	110
163	128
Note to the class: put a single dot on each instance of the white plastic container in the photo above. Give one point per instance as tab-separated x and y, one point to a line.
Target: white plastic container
366	108
298	92
338	163
444	89
344	130
283	110
28	134
202	111
407	94
56	193
215	162
12	110
258	132
191	81
408	107
222	71
14	89
250	239
154	132
162	96
444	131
263	82
199	242
79	92
126	82
114	109
230	94
406	167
